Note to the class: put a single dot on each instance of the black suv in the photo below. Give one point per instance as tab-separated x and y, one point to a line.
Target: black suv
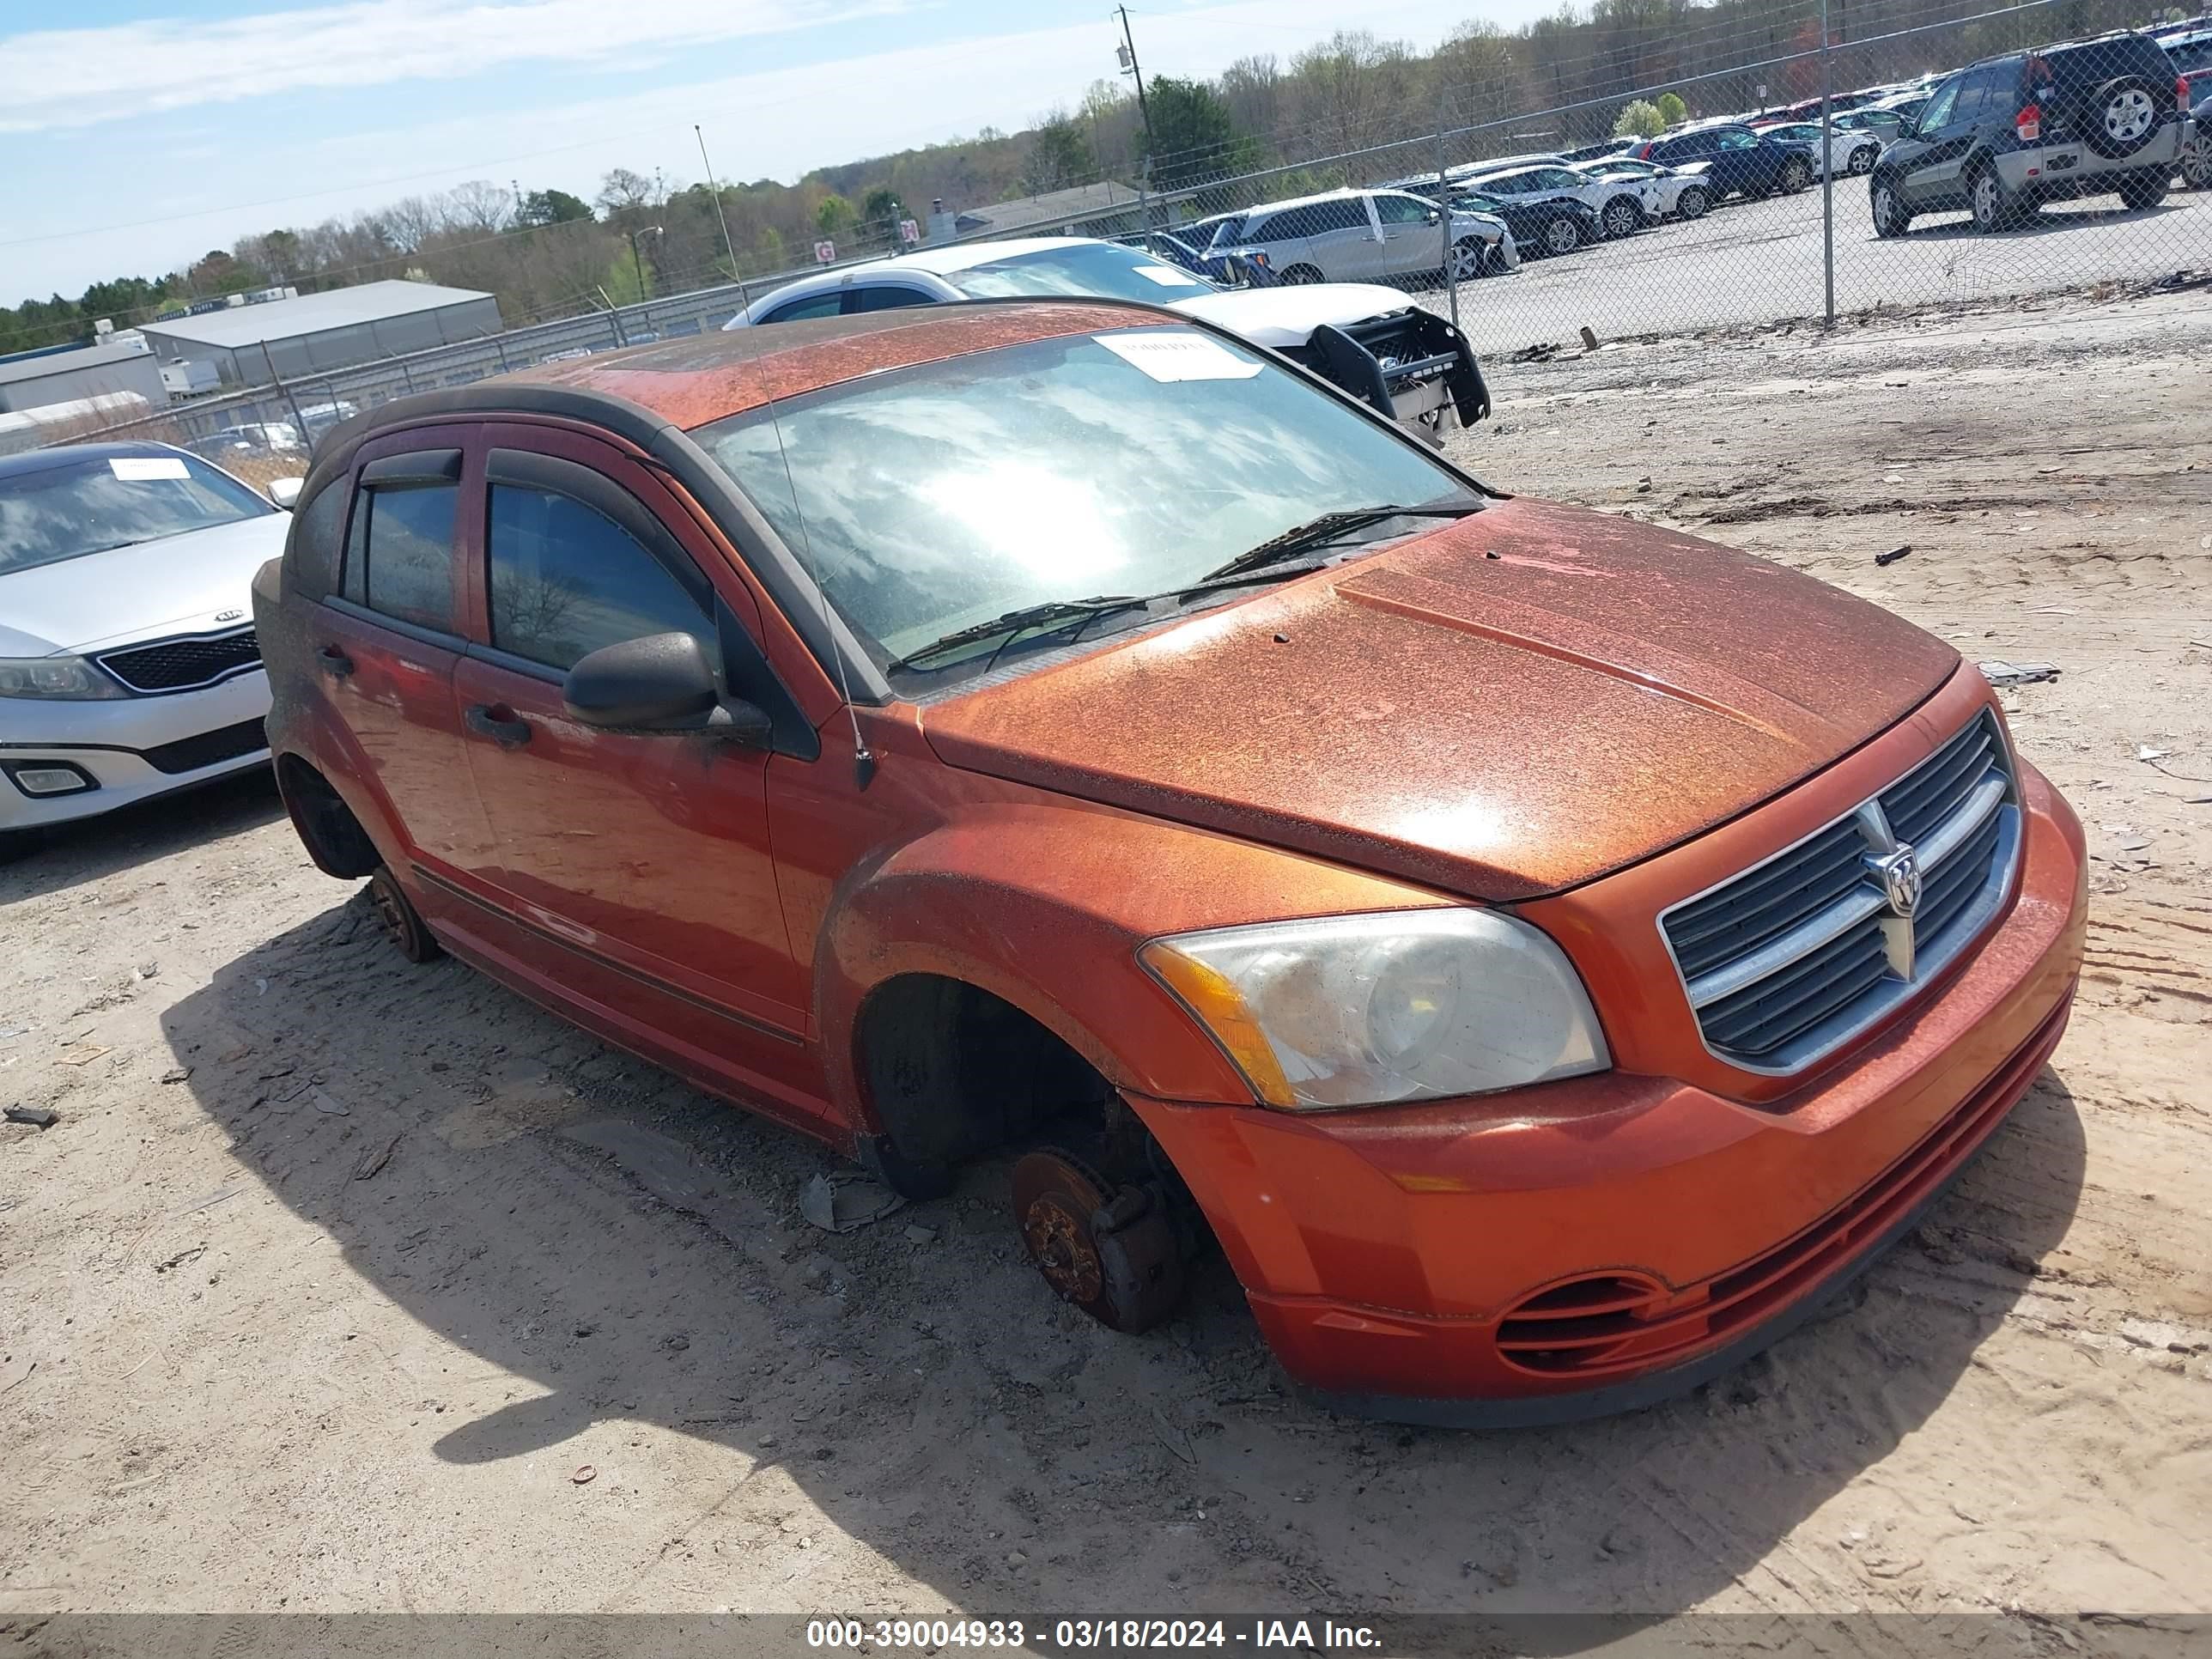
2008	134
1738	161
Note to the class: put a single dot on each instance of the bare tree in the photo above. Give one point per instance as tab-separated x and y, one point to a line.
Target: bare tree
1253	88
623	191
412	221
479	206
1356	91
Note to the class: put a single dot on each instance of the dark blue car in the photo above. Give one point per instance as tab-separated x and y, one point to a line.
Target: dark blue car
1230	270
1739	161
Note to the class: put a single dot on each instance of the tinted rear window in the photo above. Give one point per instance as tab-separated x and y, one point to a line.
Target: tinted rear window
2096	61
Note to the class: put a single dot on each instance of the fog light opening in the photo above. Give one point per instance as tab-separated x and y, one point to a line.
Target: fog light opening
39	778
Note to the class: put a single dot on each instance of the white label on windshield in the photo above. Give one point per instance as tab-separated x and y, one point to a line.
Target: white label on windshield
1169	276
138	469
1169	354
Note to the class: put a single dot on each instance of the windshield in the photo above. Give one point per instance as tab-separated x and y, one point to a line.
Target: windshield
1124	463
1085	268
89	505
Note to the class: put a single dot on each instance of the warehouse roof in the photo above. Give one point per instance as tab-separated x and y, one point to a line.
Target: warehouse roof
311	313
37	365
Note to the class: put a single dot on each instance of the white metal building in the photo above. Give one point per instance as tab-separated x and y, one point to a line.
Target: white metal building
35	380
299	337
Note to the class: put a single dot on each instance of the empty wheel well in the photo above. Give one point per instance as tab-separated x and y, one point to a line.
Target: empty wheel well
954	1072
334	838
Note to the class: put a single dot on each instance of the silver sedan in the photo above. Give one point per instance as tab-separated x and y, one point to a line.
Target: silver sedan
128	663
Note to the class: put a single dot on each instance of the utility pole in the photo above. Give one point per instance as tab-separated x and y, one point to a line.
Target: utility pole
729	250
1130	66
515	184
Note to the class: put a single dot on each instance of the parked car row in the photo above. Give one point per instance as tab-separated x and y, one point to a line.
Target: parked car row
1407	362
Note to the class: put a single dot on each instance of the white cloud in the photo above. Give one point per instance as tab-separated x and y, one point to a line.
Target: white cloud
80	78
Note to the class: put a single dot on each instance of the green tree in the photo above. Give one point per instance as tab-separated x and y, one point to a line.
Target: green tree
553	207
834	217
1639	117
1672	109
880	206
1194	136
1060	156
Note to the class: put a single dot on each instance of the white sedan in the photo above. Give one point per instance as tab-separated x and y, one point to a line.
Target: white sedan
1621	204
1681	192
128	663
1850	149
1368	339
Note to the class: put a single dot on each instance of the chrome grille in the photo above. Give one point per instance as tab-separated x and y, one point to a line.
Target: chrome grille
1789	960
184	663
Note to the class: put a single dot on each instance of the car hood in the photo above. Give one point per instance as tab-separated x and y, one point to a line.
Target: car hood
180	584
1277	317
1510	705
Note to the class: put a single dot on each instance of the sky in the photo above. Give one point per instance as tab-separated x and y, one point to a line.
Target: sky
135	135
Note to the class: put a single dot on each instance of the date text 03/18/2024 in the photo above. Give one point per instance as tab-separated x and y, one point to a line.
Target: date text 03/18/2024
1087	1634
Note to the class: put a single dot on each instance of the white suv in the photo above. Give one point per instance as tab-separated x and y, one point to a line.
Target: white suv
1365	236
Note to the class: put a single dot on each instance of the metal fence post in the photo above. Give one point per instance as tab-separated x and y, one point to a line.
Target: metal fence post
1444	212
1827	176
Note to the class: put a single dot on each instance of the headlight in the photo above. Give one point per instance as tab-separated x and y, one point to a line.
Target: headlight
1370	1009
69	677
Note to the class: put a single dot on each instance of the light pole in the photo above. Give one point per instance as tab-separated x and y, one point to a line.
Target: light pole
1130	66
637	260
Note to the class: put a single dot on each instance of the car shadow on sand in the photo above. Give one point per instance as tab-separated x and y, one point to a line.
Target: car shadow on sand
624	1251
70	854
2054	220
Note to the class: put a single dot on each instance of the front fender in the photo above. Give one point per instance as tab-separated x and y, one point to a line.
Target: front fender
1044	907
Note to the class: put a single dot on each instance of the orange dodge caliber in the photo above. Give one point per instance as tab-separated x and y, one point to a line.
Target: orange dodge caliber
1545	954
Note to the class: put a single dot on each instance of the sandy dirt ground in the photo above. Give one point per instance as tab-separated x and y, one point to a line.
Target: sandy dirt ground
338	1275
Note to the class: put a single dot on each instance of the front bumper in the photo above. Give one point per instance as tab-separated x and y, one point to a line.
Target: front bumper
1412	365
1413	1263
132	749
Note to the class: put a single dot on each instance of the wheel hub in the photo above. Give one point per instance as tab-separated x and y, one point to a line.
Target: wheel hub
1117	1259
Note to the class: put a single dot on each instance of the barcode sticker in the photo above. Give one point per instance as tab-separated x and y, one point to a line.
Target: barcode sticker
141	469
1169	354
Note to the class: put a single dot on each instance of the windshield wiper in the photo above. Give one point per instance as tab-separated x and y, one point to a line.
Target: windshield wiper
1024	620
1318	531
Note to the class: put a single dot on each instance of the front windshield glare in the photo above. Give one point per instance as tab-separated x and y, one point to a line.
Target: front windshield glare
1129	462
51	514
1097	270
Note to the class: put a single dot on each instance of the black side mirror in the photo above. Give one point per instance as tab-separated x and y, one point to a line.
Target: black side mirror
662	683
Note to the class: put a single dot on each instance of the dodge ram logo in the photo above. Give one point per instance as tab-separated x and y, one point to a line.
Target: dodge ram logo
1898	873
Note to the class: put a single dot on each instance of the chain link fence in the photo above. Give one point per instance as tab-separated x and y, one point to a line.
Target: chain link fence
1842	175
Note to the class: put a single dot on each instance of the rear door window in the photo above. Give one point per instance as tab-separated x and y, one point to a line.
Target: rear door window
819	305
399	553
886	296
1345	213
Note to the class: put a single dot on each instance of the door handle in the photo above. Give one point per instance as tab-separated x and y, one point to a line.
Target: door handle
334	662
499	723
